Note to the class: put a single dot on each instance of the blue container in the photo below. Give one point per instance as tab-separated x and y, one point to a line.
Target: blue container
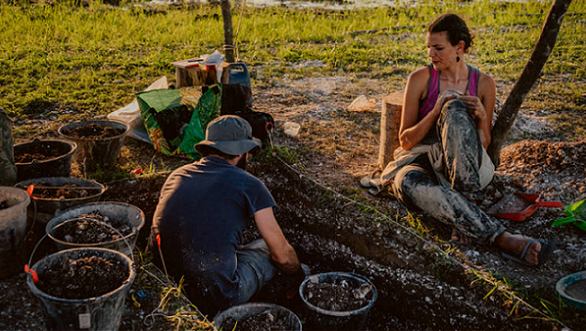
322	319
572	289
238	74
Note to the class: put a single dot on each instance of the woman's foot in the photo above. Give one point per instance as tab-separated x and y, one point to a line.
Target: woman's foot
460	237
515	245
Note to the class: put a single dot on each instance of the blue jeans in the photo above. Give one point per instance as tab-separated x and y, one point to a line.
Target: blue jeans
254	269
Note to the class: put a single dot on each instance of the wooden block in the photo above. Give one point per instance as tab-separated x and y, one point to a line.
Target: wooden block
392	106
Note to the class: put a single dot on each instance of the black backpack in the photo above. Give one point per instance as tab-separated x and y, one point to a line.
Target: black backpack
236	101
262	123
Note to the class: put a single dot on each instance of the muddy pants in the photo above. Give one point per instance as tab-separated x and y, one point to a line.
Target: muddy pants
7	167
418	186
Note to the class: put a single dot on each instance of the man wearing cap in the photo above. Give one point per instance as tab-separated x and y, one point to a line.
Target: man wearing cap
203	209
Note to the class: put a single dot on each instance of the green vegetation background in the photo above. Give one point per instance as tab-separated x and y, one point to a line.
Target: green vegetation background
92	59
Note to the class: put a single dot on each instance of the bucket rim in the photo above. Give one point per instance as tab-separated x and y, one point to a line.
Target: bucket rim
70	126
30	181
566	281
72	144
20	204
126	283
52	224
259	305
338	274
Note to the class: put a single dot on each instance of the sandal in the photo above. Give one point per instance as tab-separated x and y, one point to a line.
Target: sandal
543	255
372	182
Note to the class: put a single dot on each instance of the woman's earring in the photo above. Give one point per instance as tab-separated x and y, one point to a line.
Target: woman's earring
457	59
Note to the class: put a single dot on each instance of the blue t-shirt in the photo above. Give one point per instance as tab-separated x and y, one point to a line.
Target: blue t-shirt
203	209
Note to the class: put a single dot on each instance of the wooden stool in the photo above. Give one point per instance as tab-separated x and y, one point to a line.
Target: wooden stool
390	122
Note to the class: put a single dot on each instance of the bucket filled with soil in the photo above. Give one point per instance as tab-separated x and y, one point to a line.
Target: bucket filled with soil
257	317
43	158
99	143
113	225
54	194
13	203
337	300
83	288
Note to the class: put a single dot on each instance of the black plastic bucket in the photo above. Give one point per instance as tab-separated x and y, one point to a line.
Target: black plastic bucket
96	153
47	208
59	166
12	230
123	212
97	313
322	319
239	313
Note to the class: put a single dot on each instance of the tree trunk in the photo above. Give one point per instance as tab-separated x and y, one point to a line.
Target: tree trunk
228	34
508	113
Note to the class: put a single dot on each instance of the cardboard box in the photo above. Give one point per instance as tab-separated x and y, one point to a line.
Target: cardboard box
193	72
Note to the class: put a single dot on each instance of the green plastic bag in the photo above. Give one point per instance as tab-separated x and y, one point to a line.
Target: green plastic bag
176	119
576	214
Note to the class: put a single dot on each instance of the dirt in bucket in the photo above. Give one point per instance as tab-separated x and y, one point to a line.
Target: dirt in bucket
83	278
94	132
268	320
91	228
58	192
340	294
38	152
577	290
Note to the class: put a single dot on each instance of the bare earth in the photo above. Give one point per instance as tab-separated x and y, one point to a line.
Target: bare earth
336	147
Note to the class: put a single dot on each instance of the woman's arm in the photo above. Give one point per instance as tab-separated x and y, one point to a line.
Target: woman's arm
413	131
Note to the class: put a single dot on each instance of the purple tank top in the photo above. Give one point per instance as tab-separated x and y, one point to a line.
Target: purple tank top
428	103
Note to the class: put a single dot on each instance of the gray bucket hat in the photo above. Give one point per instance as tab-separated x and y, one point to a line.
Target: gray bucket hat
229	134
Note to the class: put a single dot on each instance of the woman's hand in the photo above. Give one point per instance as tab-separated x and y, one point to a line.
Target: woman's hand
445	97
475	107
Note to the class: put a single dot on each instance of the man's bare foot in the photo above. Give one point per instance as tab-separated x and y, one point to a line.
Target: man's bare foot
460	237
514	245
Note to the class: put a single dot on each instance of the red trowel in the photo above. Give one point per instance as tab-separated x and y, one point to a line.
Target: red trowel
518	206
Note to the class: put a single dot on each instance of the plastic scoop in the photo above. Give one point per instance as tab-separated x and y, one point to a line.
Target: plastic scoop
518	206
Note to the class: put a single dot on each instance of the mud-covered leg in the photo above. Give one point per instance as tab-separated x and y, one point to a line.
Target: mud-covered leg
7	166
461	148
414	186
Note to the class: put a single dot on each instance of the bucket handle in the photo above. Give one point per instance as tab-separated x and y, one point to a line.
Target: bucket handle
29	191
33	272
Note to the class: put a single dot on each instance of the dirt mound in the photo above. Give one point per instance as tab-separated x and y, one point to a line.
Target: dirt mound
91	228
268	320
94	132
544	156
83	278
58	192
556	170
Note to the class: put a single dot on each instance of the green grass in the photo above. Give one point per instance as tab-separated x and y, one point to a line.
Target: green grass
94	59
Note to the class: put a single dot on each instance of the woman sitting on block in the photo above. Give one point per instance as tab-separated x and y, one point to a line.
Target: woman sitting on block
442	165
